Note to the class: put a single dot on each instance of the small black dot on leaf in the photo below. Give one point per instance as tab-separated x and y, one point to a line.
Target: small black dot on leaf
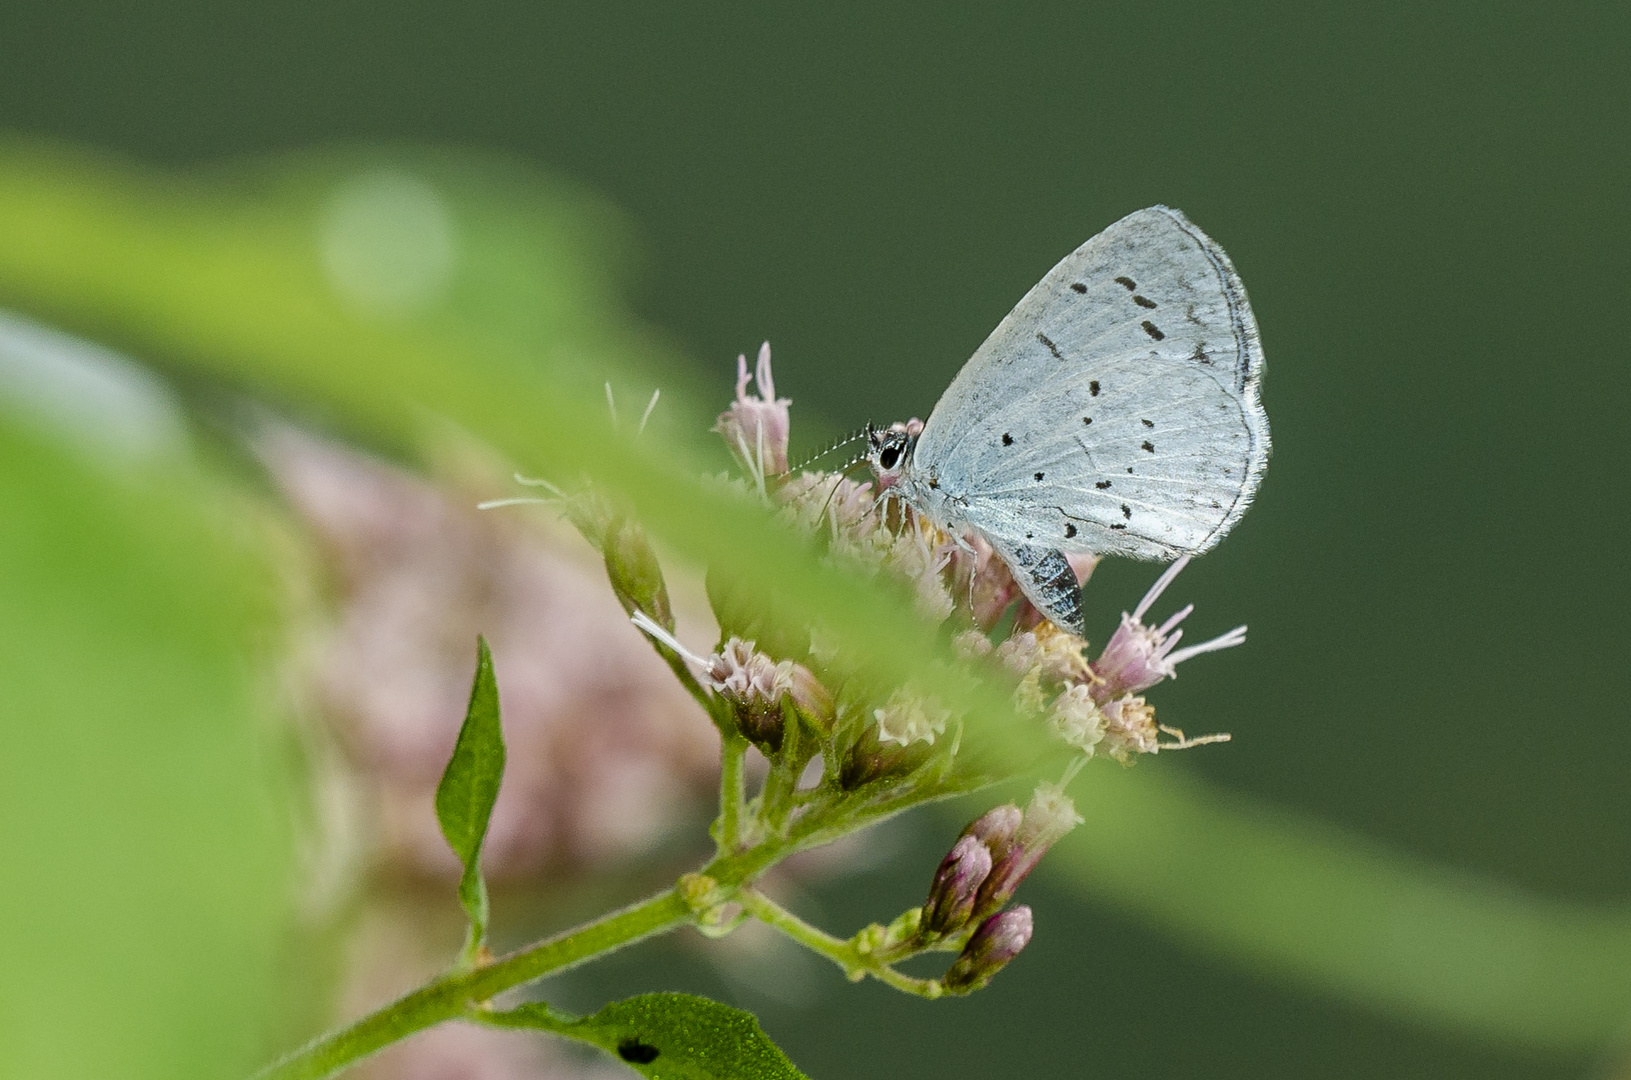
637	1052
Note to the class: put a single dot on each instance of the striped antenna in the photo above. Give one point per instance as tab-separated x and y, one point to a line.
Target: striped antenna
859	433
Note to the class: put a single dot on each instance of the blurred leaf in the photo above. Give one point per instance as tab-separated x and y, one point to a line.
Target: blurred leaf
146	847
1278	892
672	1037
469	788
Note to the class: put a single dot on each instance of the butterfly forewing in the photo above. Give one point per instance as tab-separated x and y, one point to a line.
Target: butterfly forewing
1116	408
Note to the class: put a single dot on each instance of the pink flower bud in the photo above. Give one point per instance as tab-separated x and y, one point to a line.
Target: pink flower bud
956	883
755	428
998	940
996	827
1049	817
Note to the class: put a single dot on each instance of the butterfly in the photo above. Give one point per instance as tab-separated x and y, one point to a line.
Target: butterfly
1115	410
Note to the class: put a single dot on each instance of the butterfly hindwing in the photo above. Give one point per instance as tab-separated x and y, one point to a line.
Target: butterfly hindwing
1116	408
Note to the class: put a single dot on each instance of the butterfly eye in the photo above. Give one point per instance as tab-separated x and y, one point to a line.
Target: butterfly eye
890	455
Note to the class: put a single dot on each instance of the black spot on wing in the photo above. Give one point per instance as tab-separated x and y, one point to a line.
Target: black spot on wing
1102	484
1093	388
1051	347
1038	476
1077	286
1144	302
1126	511
1147	423
1147	446
1127	282
1150	329
1007	439
1070	530
1118	525
1087	419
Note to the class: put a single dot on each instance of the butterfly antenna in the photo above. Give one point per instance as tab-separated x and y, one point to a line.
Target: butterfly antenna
842	474
859	433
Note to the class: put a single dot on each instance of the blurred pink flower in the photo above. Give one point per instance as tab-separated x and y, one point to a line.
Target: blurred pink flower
605	749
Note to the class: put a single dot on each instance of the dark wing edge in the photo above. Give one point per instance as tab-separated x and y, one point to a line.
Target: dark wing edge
1248	374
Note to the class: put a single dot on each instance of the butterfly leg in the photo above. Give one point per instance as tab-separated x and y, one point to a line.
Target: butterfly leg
1047	580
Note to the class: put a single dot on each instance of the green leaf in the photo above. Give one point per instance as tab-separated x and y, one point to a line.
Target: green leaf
670	1037
469	787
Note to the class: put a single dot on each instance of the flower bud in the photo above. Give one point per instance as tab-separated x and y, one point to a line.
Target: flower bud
872	758
811	699
635	573
908	718
998	940
755	428
996	827
754	684
1049	817
1077	719
956	883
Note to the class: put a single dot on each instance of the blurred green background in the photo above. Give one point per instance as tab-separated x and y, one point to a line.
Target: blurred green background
1415	858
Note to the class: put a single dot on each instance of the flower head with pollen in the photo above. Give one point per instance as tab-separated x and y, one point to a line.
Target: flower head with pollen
1139	656
756	427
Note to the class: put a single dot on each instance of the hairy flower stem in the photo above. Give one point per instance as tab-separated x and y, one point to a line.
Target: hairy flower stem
855	964
731	794
456	994
451	996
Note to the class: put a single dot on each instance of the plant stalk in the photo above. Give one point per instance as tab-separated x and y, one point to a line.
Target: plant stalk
451	995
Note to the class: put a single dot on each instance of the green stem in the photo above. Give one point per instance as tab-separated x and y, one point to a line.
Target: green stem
732	794
451	995
455	994
855	964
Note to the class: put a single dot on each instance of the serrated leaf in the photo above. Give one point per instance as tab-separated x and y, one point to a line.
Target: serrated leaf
469	788
671	1037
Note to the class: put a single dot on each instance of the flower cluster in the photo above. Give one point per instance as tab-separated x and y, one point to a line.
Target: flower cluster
786	692
1093	706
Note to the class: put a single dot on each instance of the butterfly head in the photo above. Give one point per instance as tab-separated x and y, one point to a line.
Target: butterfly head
889	450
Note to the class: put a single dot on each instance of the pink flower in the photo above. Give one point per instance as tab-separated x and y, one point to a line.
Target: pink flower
755	428
1139	656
